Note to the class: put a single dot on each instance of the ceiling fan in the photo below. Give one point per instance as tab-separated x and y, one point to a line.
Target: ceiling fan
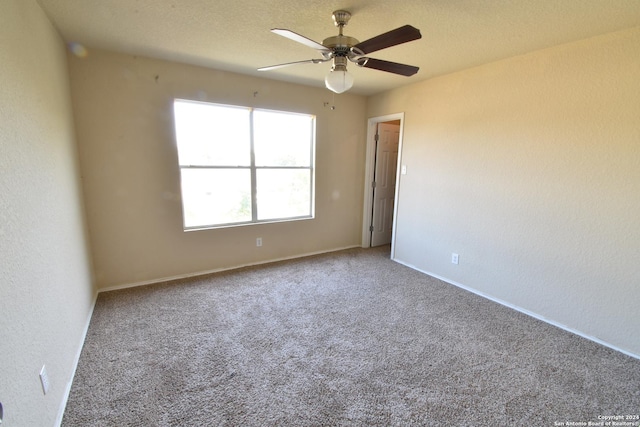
341	49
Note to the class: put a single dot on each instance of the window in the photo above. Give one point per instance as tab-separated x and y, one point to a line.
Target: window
240	165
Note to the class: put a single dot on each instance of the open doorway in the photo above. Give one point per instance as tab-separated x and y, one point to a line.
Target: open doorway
384	140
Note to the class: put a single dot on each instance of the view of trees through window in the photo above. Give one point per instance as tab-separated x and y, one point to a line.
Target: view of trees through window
242	165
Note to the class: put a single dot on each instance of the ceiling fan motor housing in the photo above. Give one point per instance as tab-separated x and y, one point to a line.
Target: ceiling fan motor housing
340	45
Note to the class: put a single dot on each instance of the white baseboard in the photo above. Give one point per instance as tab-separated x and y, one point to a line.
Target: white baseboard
218	270
65	397
521	310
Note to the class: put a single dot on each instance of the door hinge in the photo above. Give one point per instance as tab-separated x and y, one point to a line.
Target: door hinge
371	228
377	137
373	184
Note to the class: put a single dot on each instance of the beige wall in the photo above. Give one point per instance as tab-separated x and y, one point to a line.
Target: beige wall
45	291
529	169
123	111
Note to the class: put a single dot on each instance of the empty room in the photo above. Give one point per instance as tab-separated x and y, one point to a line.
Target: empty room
302	213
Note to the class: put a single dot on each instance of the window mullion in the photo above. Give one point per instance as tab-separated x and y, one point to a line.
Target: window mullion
254	193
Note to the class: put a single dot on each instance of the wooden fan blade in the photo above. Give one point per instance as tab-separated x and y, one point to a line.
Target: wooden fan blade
300	39
388	39
390	67
308	61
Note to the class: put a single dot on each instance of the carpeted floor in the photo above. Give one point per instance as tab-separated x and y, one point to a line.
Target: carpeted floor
343	339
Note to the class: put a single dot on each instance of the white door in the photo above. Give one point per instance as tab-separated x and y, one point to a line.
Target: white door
388	137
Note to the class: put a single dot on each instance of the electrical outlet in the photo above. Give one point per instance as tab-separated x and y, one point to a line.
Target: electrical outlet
454	258
259	241
44	380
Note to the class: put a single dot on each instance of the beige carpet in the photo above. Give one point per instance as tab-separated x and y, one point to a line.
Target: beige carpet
344	339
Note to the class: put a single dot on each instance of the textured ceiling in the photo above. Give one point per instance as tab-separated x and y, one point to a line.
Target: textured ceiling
234	35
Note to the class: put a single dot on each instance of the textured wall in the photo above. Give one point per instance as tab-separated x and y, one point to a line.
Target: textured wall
529	169
123	111
45	291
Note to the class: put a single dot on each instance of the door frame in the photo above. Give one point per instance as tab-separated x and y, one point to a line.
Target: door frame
369	171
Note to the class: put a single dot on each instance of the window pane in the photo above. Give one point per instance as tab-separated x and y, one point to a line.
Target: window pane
215	196
282	139
212	135
283	193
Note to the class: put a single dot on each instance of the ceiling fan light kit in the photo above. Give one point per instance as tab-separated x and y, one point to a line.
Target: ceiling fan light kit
340	49
339	79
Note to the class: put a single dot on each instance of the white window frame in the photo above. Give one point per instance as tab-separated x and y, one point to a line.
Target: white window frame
253	168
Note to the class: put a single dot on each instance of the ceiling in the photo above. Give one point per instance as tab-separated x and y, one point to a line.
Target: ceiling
234	35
